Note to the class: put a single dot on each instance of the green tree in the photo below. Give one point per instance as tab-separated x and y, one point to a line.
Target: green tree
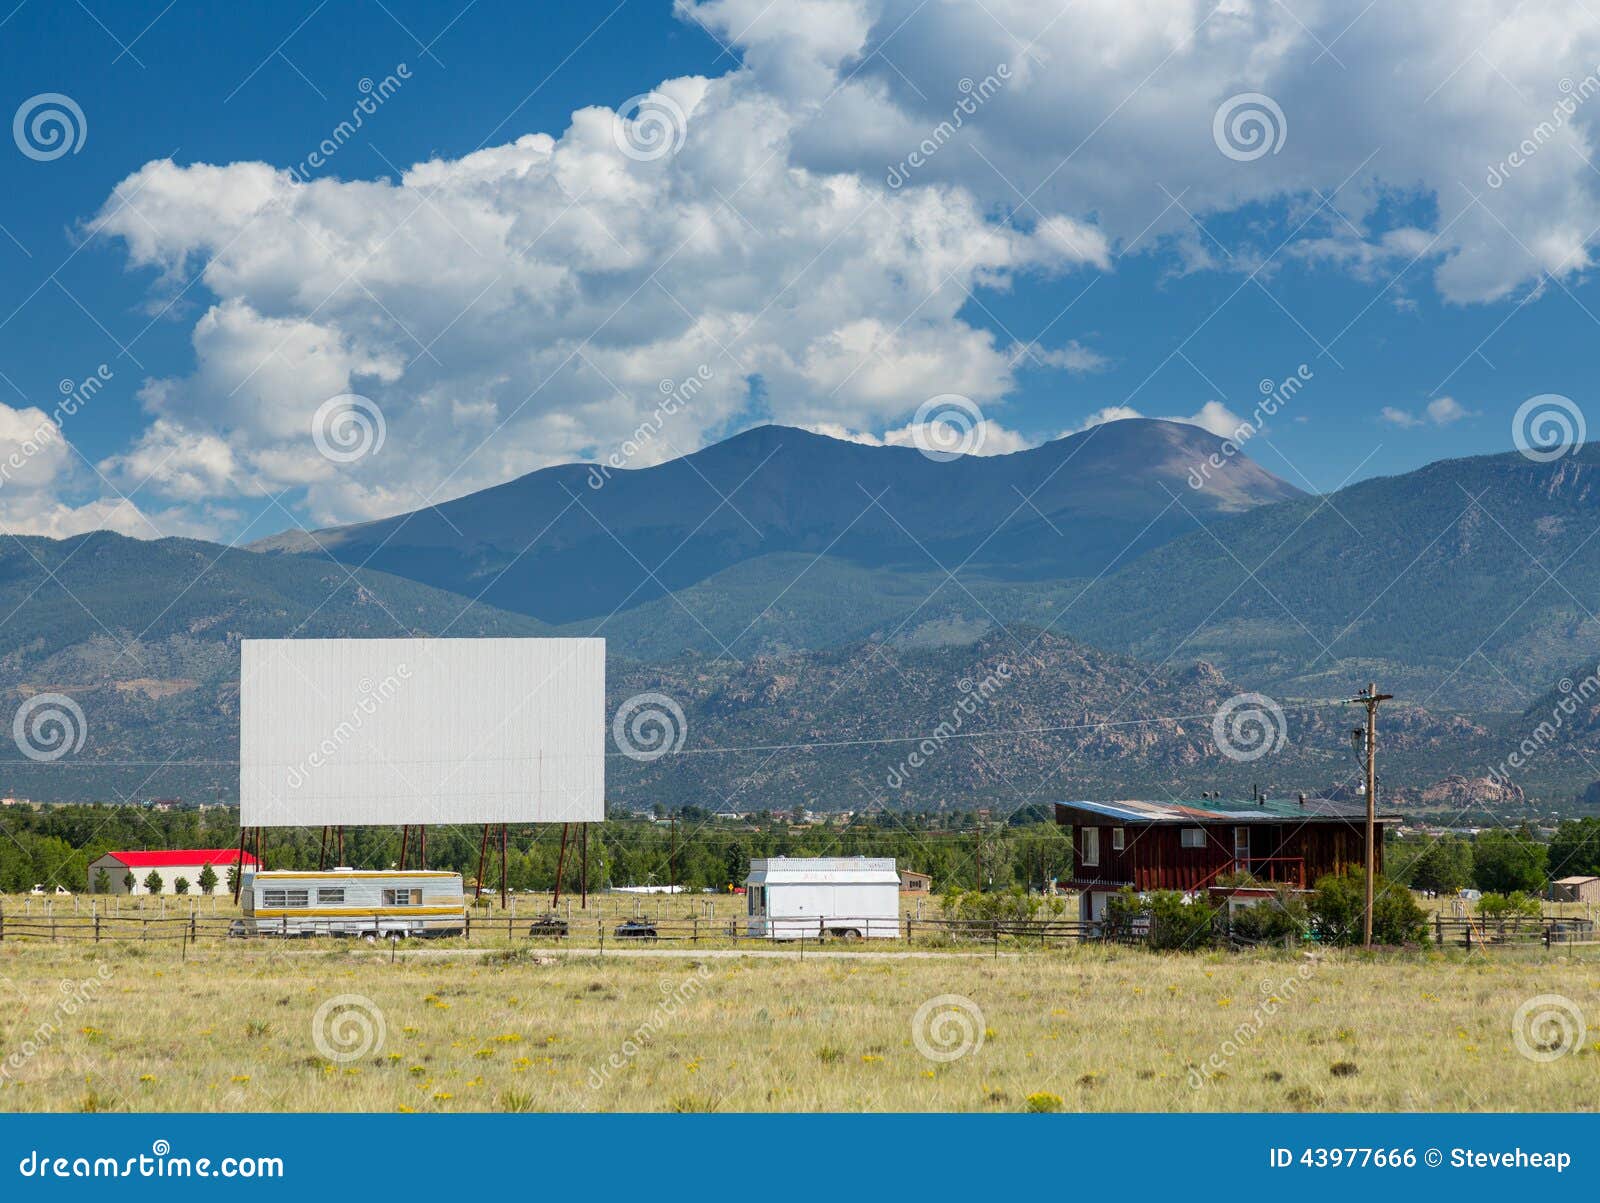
208	879
1506	861
233	877
1445	865
153	882
1575	849
181	886
102	882
129	881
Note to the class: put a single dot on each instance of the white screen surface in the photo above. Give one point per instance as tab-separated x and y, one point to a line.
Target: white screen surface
398	731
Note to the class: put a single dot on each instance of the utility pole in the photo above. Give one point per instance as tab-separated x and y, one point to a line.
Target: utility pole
982	815
1370	700
672	855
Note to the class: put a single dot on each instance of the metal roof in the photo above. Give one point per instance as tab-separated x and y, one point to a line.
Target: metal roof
180	858
1230	810
823	870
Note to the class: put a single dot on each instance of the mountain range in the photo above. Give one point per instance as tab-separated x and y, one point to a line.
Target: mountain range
791	588
579	542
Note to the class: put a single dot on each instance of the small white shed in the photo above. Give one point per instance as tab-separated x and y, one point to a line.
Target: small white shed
849	897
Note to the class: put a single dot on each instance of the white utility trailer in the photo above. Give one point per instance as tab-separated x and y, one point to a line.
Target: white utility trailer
353	902
846	897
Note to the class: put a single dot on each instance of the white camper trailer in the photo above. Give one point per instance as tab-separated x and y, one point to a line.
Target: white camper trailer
847	897
353	902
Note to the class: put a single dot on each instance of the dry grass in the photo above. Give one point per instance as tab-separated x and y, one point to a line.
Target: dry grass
231	1028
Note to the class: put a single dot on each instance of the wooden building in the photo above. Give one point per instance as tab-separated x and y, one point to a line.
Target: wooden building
1198	845
915	883
1575	889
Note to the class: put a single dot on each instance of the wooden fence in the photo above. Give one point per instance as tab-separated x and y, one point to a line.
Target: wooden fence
578	931
1510	931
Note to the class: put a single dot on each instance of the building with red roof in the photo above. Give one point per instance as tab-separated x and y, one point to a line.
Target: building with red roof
167	863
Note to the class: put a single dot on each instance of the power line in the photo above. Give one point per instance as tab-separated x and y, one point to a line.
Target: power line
730	749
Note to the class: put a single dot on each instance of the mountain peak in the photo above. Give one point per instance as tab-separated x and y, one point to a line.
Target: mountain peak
1071	507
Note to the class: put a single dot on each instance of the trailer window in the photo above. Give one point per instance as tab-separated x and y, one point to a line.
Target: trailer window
285	898
1091	845
330	897
1191	837
402	898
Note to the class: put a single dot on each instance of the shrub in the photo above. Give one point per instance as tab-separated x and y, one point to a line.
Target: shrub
1123	910
1510	906
181	886
1338	904
153	882
1272	919
1177	923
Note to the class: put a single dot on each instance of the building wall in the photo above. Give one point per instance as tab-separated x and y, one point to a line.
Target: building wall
116	870
1584	891
1153	856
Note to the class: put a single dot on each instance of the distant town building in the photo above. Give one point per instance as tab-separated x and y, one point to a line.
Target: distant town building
915	883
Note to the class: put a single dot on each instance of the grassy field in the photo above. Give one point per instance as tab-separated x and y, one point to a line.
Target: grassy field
347	1025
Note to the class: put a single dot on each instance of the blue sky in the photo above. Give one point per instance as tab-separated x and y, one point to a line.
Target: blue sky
1088	245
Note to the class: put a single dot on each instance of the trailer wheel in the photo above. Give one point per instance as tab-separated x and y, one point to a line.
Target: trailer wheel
847	934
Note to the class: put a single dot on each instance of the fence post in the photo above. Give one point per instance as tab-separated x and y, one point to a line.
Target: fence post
97	926
694	930
1438	928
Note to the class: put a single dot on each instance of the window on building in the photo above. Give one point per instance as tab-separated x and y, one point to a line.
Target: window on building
1192	837
330	897
1091	845
1117	837
402	898
285	898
